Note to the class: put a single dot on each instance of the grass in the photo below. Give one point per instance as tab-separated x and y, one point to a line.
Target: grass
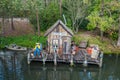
30	40
104	45
25	40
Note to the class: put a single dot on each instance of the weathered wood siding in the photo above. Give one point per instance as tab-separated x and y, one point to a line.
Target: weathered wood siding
61	39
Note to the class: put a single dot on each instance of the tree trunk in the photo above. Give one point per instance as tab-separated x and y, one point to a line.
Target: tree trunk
118	43
12	24
37	18
45	3
3	29
60	1
76	30
73	26
102	13
101	34
76	26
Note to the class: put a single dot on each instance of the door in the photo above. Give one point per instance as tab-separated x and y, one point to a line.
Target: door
55	44
66	45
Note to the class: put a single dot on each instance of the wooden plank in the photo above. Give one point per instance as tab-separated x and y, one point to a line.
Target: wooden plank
66	60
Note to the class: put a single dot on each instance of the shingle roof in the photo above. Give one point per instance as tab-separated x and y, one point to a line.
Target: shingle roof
56	25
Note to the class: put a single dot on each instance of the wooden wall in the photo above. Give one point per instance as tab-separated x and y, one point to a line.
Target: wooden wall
61	39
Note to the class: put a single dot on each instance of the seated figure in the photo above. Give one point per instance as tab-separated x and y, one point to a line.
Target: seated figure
37	49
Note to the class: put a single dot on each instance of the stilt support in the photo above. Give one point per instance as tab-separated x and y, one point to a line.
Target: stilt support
71	61
85	63
101	59
28	58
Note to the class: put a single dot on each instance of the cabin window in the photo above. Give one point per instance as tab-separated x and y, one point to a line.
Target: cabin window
55	42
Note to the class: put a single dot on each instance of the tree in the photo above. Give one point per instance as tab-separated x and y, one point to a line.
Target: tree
45	2
9	9
114	8
100	17
14	6
118	42
49	16
36	6
77	11
3	10
60	3
103	23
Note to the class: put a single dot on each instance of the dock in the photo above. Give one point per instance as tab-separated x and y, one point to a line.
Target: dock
81	57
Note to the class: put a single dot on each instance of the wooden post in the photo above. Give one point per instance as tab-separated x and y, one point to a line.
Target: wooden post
71	61
28	58
55	55
44	55
101	59
85	61
43	61
55	61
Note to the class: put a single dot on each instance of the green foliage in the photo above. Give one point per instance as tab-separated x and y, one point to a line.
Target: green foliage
105	18
76	12
95	20
49	16
10	8
26	40
114	36
86	1
104	45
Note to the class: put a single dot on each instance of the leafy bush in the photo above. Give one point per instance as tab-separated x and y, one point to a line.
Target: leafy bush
114	36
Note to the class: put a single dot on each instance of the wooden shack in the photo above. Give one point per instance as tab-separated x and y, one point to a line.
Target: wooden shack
59	35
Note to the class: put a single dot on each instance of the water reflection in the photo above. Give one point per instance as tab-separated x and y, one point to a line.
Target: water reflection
13	66
10	66
1	71
50	72
111	69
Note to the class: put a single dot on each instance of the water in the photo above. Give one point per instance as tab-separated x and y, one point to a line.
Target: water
13	66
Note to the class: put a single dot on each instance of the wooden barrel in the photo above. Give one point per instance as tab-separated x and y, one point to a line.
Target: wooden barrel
60	51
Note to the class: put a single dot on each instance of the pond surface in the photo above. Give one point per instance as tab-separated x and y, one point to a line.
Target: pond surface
13	66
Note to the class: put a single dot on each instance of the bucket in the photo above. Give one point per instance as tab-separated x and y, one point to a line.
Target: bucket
89	51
